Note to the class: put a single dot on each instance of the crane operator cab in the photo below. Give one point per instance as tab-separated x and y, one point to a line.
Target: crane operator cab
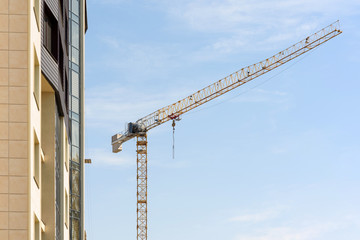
132	130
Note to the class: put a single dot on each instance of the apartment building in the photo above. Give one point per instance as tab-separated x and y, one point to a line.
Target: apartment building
42	119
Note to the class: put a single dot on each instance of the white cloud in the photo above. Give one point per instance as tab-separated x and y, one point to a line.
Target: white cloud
230	15
258	25
233	26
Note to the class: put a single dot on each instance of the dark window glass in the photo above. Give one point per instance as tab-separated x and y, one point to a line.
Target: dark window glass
61	67
61	6
50	33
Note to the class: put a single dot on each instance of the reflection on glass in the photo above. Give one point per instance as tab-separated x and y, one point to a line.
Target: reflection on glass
75	34
75	67
74	83
75	229
75	116
75	203
75	182
75	55
75	6
75	173
75	154
75	104
75	133
74	17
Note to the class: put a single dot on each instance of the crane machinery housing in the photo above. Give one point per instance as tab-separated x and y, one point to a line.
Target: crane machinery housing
173	111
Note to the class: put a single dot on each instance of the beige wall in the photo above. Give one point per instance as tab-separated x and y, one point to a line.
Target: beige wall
48	106
20	121
14	120
48	167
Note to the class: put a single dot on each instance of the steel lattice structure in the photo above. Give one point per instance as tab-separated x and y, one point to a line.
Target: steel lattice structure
173	111
141	143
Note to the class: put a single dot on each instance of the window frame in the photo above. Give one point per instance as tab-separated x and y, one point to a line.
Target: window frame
51	38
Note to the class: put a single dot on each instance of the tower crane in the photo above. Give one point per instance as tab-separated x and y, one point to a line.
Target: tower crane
173	111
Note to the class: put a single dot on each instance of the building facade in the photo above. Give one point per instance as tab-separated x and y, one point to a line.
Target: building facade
41	119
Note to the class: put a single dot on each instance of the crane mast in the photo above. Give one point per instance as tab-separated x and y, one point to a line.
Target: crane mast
173	111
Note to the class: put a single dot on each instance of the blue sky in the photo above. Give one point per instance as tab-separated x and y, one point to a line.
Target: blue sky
275	159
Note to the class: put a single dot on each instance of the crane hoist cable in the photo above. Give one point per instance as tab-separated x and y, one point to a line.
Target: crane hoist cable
173	111
173	147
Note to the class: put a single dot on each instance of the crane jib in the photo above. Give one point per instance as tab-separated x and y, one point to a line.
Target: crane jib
234	80
237	79
172	112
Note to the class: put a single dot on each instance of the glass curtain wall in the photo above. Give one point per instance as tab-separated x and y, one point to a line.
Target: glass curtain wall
75	119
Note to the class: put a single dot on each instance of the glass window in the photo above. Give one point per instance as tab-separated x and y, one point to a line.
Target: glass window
75	55
75	6
75	133
75	34
50	33
74	17
75	105
75	116
75	154
75	203
75	84
75	188
75	67
75	229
